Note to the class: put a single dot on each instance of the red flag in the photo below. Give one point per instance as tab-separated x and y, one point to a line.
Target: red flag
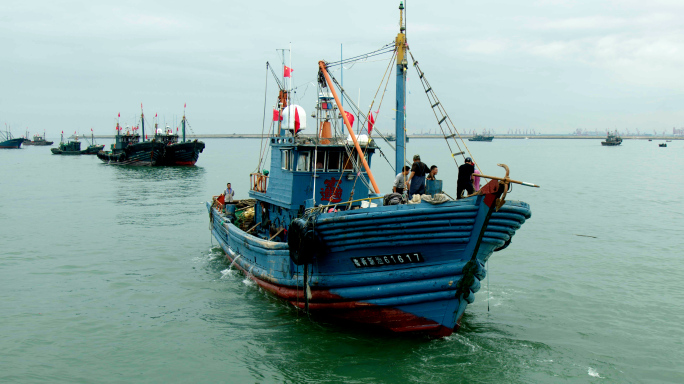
185	105
62	132
371	122
176	129
297	123
155	115
119	114
350	117
288	71
276	115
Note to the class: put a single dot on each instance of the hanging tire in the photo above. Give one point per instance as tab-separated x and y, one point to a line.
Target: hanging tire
303	242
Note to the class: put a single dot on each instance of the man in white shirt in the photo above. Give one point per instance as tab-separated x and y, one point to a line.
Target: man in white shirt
400	180
229	194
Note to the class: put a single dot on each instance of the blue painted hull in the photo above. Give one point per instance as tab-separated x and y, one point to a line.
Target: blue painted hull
11	143
406	268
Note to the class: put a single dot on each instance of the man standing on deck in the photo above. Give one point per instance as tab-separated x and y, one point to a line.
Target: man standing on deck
416	180
465	183
228	194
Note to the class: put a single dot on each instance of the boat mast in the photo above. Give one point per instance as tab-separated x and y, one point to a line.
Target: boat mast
142	119
183	122
362	157
402	66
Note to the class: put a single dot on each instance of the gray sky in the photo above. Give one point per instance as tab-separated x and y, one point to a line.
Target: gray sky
549	65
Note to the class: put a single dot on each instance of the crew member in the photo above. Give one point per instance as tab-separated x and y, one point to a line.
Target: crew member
465	183
433	173
228	194
416	179
400	180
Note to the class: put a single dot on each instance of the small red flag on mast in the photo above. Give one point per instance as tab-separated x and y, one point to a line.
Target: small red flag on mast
371	122
276	115
350	117
287	71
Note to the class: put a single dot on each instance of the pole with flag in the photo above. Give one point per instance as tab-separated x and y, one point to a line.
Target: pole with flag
183	121
142	119
371	123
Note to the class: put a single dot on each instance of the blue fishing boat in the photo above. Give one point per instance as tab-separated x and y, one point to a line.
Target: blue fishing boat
321	236
8	141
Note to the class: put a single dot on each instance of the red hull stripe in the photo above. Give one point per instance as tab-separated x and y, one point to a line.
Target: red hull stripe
325	303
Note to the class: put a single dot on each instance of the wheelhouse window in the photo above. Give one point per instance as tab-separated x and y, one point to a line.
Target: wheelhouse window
334	161
347	162
303	162
285	159
319	161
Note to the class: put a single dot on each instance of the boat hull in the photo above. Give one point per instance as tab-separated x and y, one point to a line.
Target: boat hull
488	138
147	153
11	144
57	151
39	143
185	153
404	268
610	144
92	150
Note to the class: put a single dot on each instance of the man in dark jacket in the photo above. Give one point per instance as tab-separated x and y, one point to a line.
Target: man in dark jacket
465	182
416	179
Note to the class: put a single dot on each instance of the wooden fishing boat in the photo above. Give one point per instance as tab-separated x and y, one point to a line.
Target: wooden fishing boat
71	147
38	140
129	150
7	141
184	152
93	148
662	145
612	139
320	236
482	137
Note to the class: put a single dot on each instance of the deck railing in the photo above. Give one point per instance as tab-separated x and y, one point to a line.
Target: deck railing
258	182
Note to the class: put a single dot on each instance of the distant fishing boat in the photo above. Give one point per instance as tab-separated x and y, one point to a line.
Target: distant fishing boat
321	236
482	137
70	147
185	152
612	139
38	140
662	145
129	150
7	141
93	148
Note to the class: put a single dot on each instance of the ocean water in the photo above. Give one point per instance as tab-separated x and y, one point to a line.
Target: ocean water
109	274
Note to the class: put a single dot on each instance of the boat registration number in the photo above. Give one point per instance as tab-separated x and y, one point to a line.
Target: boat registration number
395	259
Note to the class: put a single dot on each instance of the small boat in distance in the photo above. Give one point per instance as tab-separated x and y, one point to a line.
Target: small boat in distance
37	140
129	150
185	152
662	145
93	148
485	136
613	139
71	147
8	141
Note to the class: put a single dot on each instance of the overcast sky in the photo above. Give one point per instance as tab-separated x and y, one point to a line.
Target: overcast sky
549	65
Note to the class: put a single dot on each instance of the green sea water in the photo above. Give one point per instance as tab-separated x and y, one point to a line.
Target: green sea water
109	274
